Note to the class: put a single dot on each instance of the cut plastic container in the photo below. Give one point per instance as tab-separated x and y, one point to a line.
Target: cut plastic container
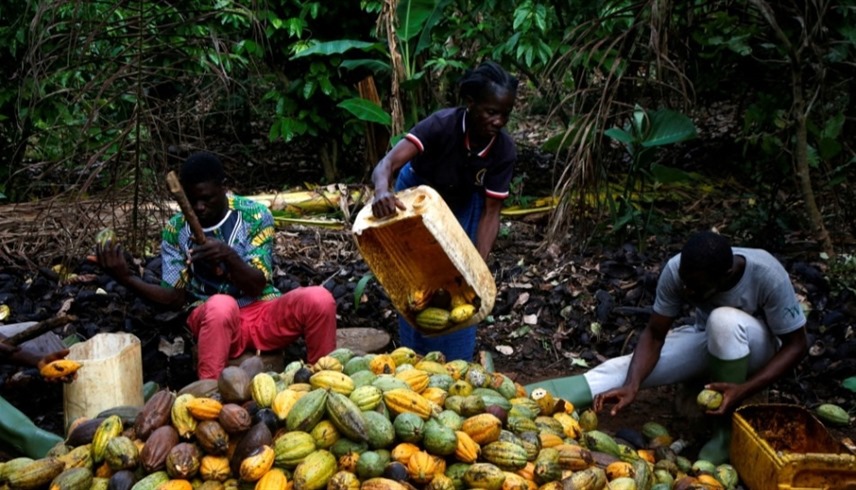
424	248
111	375
784	447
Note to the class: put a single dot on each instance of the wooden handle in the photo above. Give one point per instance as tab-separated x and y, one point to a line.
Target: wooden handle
181	198
38	329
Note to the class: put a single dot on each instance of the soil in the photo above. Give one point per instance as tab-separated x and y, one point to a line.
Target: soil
560	307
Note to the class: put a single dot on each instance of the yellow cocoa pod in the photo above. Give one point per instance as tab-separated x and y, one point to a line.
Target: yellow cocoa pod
274	479
466	450
182	420
418	299
59	369
327	363
401	400
335	381
417	379
204	408
462	313
284	401
709	399
263	389
257	464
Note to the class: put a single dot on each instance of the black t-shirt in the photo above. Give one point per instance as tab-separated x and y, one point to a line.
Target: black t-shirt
454	169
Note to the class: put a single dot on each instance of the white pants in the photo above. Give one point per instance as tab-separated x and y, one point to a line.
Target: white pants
730	334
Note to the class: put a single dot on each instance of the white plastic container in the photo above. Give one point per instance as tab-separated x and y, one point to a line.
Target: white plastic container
111	375
423	247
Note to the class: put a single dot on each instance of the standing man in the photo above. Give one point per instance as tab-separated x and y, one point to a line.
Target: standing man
467	157
227	281
749	331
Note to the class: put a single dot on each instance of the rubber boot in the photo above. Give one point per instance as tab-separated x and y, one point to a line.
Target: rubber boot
20	433
716	449
574	389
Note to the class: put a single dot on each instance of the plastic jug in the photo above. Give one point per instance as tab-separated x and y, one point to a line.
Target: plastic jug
111	375
423	247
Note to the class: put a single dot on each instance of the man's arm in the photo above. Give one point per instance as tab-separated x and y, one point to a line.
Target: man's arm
488	226
645	357
793	350
111	258
248	279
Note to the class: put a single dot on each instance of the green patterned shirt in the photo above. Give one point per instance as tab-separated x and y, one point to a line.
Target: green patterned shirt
247	228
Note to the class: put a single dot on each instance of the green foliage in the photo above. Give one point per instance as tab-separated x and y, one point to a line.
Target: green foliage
361	288
641	135
841	273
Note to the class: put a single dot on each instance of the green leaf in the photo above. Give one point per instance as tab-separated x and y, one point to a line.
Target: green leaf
850	383
335	47
619	135
366	110
361	286
669	175
413	16
669	127
432	20
374	66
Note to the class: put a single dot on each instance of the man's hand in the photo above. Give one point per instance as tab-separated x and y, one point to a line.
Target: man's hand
732	395
213	251
111	258
385	204
54	357
620	397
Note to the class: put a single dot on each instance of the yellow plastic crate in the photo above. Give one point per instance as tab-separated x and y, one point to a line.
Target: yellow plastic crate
781	446
423	247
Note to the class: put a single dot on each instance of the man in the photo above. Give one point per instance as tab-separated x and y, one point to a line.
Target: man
17	431
749	330
227	279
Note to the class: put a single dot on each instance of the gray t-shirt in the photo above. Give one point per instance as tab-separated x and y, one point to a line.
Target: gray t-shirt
765	292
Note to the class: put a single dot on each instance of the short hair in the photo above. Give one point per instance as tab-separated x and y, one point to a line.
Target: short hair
486	76
202	167
707	252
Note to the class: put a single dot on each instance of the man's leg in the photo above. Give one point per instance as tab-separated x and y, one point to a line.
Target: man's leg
309	312
683	357
216	325
20	433
735	340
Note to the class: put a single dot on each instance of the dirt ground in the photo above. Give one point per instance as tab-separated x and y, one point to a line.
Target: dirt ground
560	307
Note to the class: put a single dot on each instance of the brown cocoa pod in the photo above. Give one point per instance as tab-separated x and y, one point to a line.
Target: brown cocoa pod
234	419
234	385
83	432
259	435
201	388
212	437
183	461
253	365
157	447
155	413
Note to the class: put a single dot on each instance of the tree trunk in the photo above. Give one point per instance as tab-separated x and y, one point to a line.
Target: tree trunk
802	167
329	160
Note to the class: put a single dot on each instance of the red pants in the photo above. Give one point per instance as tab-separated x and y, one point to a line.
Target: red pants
224	331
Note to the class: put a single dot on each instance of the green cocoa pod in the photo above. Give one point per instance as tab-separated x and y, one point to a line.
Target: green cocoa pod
833	414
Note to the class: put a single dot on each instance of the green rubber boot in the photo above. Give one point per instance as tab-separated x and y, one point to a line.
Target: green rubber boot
21	434
716	449
574	389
